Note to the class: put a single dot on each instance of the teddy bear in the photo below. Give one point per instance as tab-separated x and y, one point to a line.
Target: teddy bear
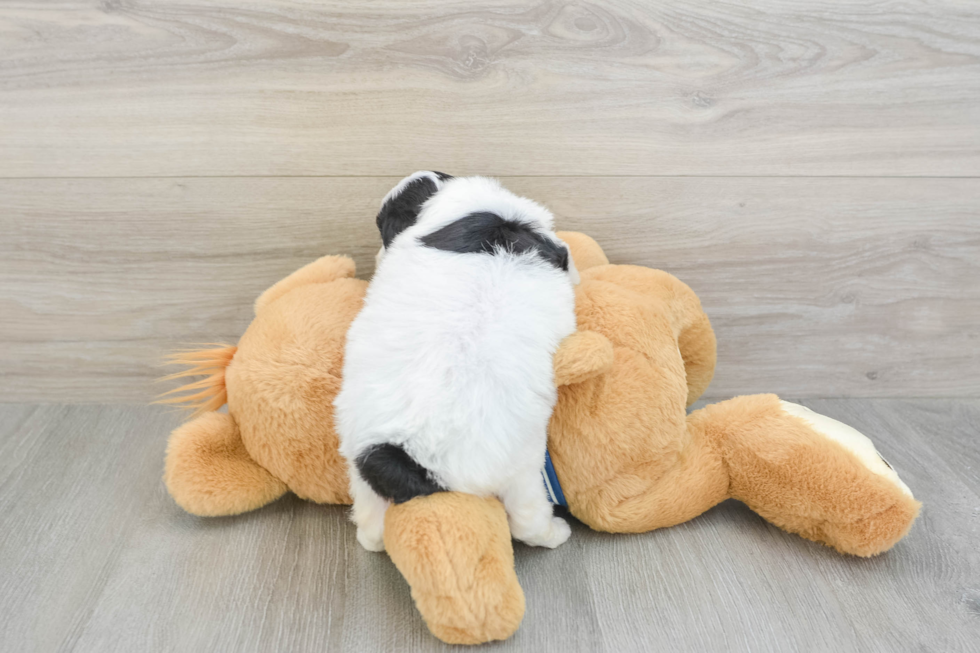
624	455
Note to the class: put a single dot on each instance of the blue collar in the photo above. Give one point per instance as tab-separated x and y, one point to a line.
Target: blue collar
551	484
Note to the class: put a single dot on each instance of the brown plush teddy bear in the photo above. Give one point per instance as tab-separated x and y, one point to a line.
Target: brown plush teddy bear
626	455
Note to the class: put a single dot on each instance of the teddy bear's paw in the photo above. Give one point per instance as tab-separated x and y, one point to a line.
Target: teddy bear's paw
851	439
558	532
371	539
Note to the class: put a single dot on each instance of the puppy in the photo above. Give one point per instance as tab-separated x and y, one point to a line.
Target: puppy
448	381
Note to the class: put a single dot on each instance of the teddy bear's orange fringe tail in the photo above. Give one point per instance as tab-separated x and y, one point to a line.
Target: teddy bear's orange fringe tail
211	393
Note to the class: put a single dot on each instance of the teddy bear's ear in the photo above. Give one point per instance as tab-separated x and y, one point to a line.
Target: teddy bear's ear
585	251
322	270
400	207
582	356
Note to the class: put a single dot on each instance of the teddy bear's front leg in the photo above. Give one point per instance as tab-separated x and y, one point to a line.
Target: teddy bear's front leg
455	552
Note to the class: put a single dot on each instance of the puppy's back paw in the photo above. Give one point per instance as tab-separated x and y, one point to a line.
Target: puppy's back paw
372	541
558	532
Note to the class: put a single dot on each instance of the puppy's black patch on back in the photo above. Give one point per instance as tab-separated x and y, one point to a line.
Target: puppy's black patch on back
395	475
488	233
401	211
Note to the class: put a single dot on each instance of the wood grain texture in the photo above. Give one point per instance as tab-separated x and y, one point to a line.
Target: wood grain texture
94	556
296	87
816	287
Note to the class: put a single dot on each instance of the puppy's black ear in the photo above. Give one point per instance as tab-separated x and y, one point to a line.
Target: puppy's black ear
400	208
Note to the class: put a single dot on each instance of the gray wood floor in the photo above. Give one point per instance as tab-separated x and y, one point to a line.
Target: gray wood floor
95	557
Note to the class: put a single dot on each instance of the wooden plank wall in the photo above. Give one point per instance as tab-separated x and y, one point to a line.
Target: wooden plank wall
812	170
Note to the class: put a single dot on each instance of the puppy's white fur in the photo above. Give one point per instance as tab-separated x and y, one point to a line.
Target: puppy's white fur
451	358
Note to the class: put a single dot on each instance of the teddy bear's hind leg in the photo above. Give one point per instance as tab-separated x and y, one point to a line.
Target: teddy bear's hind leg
209	473
809	474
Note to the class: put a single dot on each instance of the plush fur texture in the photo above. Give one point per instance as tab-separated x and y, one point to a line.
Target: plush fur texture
461	571
651	465
450	359
281	381
209	472
582	356
628	456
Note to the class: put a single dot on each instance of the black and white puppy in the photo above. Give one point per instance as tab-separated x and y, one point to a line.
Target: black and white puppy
448	381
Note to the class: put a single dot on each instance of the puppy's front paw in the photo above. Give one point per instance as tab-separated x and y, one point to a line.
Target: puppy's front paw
371	541
558	532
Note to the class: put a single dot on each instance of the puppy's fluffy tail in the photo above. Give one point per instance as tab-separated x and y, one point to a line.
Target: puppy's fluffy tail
207	394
